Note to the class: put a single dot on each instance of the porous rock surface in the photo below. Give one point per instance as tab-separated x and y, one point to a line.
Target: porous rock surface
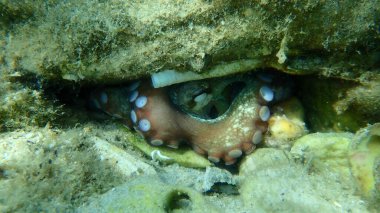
112	41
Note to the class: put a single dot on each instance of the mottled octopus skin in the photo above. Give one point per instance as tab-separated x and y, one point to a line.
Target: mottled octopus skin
226	137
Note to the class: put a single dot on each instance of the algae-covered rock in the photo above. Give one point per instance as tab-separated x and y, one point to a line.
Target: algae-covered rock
273	182
209	180
149	194
362	99
355	157
365	161
21	106
113	41
324	151
17	11
262	159
337	105
44	169
124	163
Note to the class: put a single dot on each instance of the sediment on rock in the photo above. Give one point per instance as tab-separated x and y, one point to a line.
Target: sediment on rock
113	42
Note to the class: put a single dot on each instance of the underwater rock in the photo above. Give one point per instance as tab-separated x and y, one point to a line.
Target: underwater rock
324	151
214	176
273	182
363	99
122	162
338	105
263	159
212	180
43	169
115	41
21	106
149	194
364	157
354	157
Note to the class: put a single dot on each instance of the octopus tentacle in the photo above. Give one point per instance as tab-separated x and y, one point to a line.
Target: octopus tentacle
171	116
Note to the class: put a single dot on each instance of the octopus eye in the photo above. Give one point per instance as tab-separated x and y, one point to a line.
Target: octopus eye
207	99
222	102
232	90
214	112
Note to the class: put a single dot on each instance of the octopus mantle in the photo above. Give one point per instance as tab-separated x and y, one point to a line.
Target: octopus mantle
220	118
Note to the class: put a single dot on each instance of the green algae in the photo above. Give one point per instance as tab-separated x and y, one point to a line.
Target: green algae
22	107
183	156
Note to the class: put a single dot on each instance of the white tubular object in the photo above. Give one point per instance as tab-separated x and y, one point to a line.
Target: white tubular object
169	77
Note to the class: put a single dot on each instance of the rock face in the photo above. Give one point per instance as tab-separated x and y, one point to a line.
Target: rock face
53	156
338	105
365	161
274	182
149	194
113	41
85	169
324	151
53	43
38	161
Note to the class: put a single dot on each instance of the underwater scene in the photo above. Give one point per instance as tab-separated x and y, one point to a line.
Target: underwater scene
189	106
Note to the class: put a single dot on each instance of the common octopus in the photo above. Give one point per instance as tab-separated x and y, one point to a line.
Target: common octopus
221	118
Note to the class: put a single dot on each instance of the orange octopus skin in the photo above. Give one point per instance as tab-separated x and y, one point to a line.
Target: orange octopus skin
226	137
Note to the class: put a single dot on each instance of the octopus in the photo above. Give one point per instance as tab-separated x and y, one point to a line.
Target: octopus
221	119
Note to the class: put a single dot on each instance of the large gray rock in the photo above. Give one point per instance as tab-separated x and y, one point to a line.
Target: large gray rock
113	41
